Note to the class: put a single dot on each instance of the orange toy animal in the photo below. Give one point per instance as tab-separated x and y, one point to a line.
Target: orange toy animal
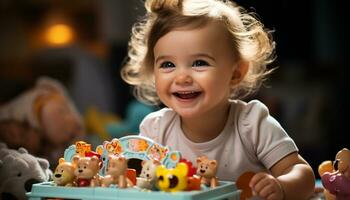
206	169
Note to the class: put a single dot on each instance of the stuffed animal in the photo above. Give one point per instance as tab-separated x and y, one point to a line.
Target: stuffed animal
43	120
18	171
336	176
206	169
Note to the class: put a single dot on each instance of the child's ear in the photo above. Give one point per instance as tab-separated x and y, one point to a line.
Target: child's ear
239	72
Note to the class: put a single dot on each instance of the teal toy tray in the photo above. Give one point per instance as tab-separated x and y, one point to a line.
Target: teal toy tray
41	191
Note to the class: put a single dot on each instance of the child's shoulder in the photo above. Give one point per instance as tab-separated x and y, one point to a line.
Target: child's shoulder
249	108
164	114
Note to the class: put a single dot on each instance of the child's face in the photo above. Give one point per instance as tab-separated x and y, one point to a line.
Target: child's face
193	69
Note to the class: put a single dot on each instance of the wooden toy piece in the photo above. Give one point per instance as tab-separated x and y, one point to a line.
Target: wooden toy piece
64	173
206	169
242	184
337	182
172	180
86	171
148	176
116	172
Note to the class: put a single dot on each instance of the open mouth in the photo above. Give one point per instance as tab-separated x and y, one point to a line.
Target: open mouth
186	95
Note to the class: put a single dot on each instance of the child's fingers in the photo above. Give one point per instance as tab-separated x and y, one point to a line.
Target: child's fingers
256	178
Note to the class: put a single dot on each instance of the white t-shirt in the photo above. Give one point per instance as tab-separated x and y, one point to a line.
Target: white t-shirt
251	140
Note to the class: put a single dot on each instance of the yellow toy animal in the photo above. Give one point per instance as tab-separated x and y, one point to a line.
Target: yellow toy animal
172	180
64	173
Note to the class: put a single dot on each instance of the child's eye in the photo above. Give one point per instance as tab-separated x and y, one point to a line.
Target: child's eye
167	64
200	63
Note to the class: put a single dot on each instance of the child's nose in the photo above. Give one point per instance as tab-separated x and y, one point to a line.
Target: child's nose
183	77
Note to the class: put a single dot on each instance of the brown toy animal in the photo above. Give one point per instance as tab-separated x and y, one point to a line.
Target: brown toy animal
116	172
42	119
86	171
206	169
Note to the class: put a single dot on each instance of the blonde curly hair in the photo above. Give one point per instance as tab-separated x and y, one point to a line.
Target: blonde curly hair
251	41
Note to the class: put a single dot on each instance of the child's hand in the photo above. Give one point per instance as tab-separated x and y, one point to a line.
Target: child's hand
266	186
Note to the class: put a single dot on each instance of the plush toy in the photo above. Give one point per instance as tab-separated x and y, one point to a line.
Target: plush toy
18	171
172	180
336	176
43	120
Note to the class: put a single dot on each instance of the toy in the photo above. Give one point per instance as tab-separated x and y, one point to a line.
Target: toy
64	173
243	184
172	180
206	169
336	179
148	176
86	171
18	171
177	174
43	120
116	172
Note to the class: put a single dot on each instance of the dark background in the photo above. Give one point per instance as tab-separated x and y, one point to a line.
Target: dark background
306	94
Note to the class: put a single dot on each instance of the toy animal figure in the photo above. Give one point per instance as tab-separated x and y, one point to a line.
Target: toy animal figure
86	171
206	169
148	176
64	173
116	172
42	119
336	179
172	180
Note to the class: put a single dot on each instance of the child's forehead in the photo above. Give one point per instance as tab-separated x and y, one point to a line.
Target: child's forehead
210	35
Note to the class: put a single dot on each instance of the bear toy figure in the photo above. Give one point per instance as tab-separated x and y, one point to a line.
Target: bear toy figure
86	171
64	173
206	169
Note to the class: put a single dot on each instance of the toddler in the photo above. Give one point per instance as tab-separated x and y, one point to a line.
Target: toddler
199	58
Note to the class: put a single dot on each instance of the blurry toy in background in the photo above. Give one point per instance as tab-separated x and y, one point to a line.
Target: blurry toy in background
335	176
42	119
135	112
18	171
95	122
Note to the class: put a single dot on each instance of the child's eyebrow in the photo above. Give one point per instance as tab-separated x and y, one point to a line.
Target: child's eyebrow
203	55
162	57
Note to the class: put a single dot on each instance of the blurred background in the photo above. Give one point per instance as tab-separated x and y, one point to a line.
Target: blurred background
82	43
